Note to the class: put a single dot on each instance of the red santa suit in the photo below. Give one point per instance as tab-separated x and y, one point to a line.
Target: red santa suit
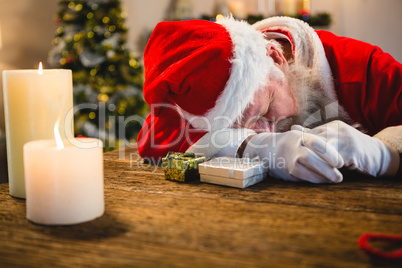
200	76
368	82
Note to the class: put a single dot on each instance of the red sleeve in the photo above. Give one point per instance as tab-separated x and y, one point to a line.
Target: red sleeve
368	81
164	132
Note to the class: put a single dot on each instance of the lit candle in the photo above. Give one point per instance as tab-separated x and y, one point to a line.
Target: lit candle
64	181
33	100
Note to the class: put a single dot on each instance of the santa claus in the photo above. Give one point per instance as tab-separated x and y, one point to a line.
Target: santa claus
306	102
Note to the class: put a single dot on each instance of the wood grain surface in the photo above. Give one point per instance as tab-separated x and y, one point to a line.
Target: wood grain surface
152	222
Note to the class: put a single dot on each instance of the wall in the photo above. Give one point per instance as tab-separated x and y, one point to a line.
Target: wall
144	15
27	29
373	21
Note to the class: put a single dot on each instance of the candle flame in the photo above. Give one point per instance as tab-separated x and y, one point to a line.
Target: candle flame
59	142
40	70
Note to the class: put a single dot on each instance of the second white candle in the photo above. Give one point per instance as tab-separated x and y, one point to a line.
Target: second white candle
64	186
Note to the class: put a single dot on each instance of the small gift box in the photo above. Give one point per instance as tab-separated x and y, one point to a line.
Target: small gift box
181	167
234	172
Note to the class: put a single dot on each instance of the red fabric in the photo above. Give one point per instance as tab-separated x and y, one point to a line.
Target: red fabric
187	62
368	82
364	243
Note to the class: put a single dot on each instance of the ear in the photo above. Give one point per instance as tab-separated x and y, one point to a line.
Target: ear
276	55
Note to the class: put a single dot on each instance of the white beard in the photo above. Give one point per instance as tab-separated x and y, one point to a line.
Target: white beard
314	107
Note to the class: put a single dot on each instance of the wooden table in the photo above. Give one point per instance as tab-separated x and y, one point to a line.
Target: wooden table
151	222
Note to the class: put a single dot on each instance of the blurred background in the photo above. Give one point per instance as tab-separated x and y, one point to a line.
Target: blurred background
102	41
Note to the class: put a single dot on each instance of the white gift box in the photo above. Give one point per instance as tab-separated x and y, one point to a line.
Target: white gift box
234	172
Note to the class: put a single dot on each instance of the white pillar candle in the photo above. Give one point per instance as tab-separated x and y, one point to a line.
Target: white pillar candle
64	186
33	101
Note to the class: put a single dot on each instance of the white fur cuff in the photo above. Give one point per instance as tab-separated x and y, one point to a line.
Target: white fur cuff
223	142
392	136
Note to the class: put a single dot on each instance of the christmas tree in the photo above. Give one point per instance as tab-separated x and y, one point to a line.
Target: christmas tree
107	78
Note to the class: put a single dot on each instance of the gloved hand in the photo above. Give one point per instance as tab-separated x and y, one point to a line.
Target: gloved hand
359	151
296	156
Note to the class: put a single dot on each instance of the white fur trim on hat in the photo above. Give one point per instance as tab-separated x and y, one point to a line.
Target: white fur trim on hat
249	72
308	48
213	143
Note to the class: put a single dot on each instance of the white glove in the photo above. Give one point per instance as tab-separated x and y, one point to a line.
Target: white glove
359	151
295	156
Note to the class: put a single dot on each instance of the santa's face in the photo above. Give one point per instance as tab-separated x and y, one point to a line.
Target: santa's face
273	103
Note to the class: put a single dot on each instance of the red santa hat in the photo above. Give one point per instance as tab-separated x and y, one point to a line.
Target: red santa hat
209	70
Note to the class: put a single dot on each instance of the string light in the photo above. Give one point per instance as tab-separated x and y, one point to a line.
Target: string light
92	115
219	17
133	63
56	41
103	97
105	20
112	107
77	37
60	30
